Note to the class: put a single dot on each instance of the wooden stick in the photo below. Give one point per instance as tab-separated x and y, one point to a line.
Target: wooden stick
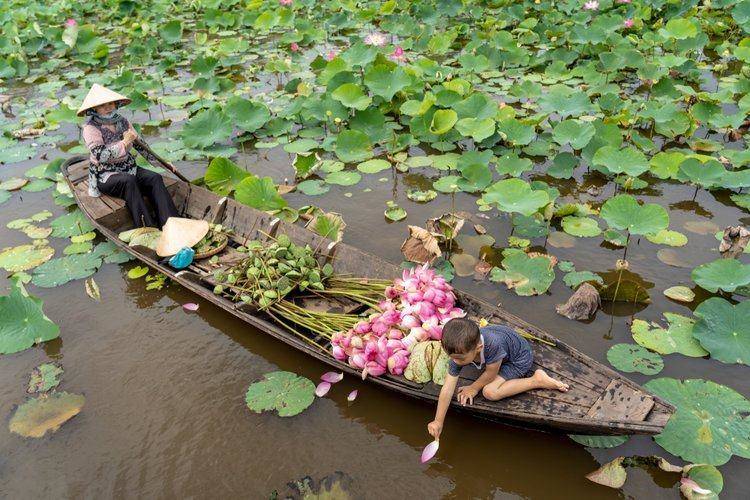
161	160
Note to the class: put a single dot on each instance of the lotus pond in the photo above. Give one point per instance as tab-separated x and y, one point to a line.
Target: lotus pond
599	143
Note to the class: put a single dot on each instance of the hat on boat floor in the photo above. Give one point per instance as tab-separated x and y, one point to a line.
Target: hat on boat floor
178	233
99	95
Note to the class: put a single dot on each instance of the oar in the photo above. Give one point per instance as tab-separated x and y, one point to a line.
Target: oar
161	160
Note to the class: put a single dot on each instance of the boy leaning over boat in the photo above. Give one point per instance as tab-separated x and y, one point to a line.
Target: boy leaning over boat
504	355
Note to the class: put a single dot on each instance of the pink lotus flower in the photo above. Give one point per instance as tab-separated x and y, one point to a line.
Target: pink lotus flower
376	39
71	23
373	369
591	5
362	327
628	23
331	55
358	361
395	334
624	1
409	321
339	353
285	3
294	47
398	55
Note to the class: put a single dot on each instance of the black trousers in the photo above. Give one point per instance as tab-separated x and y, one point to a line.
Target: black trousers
131	188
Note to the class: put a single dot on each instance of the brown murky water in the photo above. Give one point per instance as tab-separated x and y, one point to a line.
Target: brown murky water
165	414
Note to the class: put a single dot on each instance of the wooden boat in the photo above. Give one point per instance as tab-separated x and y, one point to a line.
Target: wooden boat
600	401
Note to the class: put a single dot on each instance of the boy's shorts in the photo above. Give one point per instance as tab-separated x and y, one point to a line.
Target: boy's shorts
519	368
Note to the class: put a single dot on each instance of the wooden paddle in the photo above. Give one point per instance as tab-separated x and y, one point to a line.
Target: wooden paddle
161	160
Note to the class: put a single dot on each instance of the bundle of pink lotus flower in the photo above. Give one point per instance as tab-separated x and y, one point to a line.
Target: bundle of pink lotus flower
416	307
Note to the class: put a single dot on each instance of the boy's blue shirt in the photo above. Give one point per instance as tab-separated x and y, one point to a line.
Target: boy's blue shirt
501	343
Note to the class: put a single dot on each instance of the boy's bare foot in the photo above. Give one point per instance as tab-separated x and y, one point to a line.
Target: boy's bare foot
547	382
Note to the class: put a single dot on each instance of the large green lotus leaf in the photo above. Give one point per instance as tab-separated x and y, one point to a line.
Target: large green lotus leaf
245	114
13	184
628	160
526	275
677	337
222	175
581	226
353	146
624	212
710	424
59	271
24	257
515	132
313	187
478	105
22	321
343	178
573	132
71	224
373	166
634	358
474	177
666	165
259	193
301	146
478	130
351	96
667	237
680	28
707	175
38	185
724	274
515	195
284	392
724	330
171	32
447	184
575	278
45	414
111	253
513	165
598	441
206	129
385	82
44	377
442	121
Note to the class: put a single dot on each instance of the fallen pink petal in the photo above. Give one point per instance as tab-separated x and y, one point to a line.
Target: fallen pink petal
429	451
332	377
322	389
190	306
690	483
352	395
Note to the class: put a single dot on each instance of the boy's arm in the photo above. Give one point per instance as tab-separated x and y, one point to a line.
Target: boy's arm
467	392
444	401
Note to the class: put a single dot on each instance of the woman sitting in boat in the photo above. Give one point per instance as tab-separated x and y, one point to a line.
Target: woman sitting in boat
112	169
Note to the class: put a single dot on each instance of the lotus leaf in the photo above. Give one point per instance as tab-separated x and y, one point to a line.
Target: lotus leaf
680	293
206	129
634	358
260	193
24	257
44	377
351	96
138	272
313	187
13	184
676	338
667	237
707	175
723	330
329	225
373	166
45	414
284	392
394	212
512	165
246	115
573	132
110	253
38	185
581	226
442	121
59	271
598	441
629	160
223	175
74	248
515	195
447	184
477	129
22	321
724	274
575	278
343	178
525	275
148	239
624	212
385	82
71	224
4	196
171	31
420	196
710	424
353	146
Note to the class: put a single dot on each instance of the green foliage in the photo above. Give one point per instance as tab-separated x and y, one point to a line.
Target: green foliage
284	392
22	321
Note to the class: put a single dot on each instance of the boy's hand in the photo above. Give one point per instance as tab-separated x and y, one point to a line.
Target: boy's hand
129	136
435	428
467	393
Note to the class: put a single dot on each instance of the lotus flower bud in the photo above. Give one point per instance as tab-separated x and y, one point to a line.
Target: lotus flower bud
380	327
391	317
371	349
357	361
357	342
339	353
426	310
373	369
395	333
362	327
408	322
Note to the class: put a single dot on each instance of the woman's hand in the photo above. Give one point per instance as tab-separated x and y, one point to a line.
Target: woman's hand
435	428
466	394
129	136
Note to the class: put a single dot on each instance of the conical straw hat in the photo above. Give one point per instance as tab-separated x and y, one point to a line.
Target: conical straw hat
99	95
178	233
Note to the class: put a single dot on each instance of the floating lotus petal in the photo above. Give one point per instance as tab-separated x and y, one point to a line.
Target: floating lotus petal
190	306
332	377
429	451
322	389
352	395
